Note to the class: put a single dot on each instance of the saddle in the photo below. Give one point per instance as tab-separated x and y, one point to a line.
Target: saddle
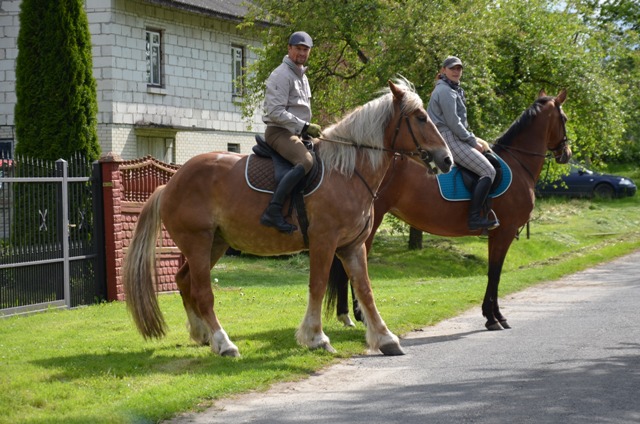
457	184
470	178
266	167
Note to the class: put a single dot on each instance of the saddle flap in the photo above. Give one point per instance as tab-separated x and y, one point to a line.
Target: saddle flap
260	175
281	165
452	185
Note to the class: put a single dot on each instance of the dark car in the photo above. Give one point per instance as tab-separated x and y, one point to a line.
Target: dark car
582	182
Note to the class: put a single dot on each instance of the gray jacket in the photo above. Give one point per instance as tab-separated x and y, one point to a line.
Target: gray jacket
448	111
287	101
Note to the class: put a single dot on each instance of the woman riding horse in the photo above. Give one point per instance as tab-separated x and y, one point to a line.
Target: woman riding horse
413	196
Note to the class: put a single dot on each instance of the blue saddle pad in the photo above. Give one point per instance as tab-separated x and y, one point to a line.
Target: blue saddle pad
452	187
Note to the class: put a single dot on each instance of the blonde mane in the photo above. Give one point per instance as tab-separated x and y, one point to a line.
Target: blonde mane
364	126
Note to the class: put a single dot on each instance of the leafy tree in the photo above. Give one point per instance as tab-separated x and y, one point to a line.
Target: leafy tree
511	50
618	21
344	50
55	113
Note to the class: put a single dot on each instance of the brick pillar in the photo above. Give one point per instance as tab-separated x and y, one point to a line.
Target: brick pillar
113	233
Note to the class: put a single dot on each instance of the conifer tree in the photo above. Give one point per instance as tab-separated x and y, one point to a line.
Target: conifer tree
56	108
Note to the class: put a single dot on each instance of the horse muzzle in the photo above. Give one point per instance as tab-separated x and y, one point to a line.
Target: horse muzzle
565	156
441	161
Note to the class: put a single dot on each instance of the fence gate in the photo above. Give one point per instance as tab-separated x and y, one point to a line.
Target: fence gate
50	235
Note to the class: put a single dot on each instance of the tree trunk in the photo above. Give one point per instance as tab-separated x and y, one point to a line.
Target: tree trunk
415	239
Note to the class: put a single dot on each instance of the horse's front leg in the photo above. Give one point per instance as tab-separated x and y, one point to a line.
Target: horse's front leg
379	337
499	321
499	243
490	302
310	332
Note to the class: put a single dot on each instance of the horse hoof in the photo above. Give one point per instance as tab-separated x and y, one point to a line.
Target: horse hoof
344	319
504	324
493	327
326	346
391	349
231	353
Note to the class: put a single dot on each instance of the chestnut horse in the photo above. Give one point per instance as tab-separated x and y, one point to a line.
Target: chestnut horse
208	207
408	193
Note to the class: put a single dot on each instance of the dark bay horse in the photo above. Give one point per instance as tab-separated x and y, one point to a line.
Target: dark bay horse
408	193
207	206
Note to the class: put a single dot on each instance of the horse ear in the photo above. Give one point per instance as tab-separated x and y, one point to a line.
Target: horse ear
562	96
398	92
542	93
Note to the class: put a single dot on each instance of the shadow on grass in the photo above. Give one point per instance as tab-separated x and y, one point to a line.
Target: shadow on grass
388	259
268	351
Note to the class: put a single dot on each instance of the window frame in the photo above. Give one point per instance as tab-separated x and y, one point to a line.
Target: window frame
237	70
154	62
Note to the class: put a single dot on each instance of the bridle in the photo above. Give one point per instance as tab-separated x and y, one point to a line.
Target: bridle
423	154
558	151
561	147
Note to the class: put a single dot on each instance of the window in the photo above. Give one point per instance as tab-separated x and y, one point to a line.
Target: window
6	148
153	55
161	148
237	70
233	147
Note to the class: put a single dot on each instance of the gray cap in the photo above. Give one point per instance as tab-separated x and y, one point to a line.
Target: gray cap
300	37
451	61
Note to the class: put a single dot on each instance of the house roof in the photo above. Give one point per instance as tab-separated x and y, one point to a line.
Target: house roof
229	10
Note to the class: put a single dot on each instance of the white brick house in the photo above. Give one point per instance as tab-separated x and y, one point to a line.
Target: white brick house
165	72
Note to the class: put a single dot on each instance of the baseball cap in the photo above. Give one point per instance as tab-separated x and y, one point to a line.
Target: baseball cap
451	61
300	37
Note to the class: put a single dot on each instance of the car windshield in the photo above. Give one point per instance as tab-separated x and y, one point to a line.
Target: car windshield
577	169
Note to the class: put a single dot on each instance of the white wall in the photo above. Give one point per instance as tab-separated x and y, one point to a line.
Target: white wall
9	26
197	76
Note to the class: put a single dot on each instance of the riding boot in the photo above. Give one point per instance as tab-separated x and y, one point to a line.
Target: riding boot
272	216
478	198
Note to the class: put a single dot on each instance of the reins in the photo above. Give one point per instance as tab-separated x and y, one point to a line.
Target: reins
508	150
422	153
560	147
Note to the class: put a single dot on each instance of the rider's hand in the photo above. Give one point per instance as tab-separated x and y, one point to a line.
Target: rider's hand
314	130
484	146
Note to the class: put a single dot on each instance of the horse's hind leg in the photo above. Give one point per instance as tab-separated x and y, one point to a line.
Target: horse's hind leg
339	289
198	299
378	335
198	330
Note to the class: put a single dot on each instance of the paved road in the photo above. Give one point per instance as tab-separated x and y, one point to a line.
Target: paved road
573	356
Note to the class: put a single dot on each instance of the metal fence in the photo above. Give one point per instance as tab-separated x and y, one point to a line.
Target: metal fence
50	235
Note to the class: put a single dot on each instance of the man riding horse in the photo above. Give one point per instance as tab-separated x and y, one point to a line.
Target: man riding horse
287	108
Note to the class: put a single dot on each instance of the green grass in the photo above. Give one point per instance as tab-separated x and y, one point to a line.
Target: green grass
90	365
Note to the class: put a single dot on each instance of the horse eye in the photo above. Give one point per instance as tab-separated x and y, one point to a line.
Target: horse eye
422	118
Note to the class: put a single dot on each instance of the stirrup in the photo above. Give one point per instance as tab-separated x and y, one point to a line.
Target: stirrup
484	223
495	219
277	221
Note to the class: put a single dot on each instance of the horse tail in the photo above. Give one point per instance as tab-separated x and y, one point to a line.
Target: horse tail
139	271
337	296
